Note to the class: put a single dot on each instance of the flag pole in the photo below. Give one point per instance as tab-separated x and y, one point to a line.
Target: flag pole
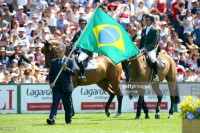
64	63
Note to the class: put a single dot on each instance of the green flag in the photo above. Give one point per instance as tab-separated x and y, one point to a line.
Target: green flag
106	36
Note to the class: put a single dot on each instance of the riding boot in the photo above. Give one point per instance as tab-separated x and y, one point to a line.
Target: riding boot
82	71
155	68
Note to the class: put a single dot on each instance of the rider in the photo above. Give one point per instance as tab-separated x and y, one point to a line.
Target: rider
149	42
82	53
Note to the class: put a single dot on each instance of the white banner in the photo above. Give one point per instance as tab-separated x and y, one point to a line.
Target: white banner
91	98
37	99
8	99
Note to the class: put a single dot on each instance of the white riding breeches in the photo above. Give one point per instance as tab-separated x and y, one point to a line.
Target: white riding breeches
82	56
152	55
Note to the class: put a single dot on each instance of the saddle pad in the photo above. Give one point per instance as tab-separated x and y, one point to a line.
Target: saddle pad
91	64
161	63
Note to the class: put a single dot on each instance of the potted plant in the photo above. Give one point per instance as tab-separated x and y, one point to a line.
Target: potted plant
190	113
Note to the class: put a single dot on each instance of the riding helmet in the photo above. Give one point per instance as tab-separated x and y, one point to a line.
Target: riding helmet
149	16
82	21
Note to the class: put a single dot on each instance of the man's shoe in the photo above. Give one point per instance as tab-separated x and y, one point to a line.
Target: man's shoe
50	121
137	118
156	79
69	122
147	117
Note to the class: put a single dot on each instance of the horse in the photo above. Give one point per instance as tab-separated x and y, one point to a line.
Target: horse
141	73
107	77
49	51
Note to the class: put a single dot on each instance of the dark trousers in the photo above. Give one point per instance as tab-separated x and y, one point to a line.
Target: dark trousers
67	103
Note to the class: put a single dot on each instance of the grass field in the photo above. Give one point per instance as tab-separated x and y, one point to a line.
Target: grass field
90	123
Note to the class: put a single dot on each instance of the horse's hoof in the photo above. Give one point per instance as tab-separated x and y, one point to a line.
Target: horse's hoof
117	115
157	116
108	113
170	116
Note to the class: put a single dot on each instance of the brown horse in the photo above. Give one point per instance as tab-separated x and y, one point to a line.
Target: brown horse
142	74
107	76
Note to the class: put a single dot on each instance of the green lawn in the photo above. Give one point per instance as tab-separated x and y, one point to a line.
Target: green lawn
91	123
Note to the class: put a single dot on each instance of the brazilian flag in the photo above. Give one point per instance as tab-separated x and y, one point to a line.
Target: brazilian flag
106	36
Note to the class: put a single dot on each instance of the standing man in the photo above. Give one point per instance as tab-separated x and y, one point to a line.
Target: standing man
149	42
63	87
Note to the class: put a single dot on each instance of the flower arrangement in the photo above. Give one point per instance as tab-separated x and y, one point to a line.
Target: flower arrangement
190	108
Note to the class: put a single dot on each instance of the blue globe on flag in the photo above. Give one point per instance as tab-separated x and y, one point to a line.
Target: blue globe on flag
108	35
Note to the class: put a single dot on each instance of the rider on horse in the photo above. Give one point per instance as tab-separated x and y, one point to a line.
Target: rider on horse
149	42
82	53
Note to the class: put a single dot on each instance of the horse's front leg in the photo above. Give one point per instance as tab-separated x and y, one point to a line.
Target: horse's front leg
119	98
107	111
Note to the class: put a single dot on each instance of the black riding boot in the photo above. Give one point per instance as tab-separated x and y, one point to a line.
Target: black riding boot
82	71
155	68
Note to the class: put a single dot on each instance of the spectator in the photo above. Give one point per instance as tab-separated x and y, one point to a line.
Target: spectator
88	11
6	77
27	77
4	58
7	15
18	56
179	17
3	23
180	75
13	77
175	8
14	66
21	17
163	42
197	19
188	23
124	16
111	10
23	38
196	32
197	79
15	27
193	62
31	57
140	11
38	78
31	49
60	22
35	21
32	36
51	18
39	57
164	29
161	5
29	27
183	60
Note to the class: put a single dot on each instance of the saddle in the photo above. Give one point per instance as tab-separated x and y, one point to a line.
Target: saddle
89	64
160	62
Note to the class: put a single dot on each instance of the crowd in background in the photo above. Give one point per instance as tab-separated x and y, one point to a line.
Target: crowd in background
25	24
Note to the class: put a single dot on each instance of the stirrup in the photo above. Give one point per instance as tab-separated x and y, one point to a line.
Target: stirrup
156	78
